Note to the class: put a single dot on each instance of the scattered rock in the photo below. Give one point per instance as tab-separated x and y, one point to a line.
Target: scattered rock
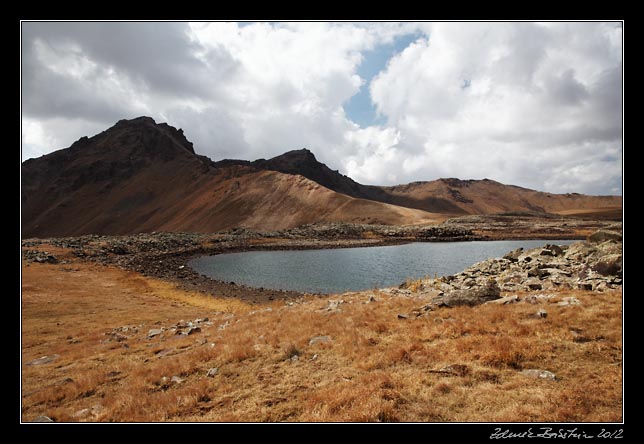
41	257
176	380
541	314
164	352
314	357
537	298
403	316
212	372
590	266
43	418
569	301
512	299
319	339
154	332
81	413
535	286
539	374
472	296
605	235
334	305
513	256
224	325
454	370
192	330
43	360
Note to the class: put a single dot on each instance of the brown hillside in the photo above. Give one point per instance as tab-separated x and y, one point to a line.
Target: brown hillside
487	196
444	196
139	176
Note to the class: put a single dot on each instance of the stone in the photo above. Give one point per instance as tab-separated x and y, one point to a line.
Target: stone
476	295
314	357
402	316
513	256
176	380
455	370
539	374
512	299
605	235
81	413
43	360
585	286
541	313
569	301
193	330
609	265
212	372
42	418
154	332
319	339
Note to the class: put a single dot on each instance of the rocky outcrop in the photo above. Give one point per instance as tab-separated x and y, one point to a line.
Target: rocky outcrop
593	265
474	295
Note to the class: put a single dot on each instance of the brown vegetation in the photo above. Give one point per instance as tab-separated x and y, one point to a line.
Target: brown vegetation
452	364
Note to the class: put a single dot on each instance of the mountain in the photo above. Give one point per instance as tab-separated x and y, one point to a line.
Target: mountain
140	176
445	196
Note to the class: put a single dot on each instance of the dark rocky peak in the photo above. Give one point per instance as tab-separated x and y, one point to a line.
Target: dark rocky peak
292	160
151	133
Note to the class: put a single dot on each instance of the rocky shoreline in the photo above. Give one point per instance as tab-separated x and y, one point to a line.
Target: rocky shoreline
165	255
593	265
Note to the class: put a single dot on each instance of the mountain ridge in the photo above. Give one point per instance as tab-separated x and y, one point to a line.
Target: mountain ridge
139	175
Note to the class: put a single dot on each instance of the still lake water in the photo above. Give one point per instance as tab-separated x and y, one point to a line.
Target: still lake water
353	269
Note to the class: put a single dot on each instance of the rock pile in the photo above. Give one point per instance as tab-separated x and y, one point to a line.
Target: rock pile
42	257
592	265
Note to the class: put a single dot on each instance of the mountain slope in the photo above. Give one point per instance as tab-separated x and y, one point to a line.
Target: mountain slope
141	176
444	196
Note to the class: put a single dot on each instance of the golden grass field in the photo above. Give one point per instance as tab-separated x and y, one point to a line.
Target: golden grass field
375	367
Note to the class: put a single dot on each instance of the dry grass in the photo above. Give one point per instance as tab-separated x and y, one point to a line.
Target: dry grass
375	367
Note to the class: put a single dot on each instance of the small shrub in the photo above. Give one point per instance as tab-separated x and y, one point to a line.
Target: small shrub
292	351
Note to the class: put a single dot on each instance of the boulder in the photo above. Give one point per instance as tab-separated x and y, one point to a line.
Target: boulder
539	374
43	360
609	265
513	256
605	235
212	372
154	332
512	299
477	294
43	418
319	339
569	301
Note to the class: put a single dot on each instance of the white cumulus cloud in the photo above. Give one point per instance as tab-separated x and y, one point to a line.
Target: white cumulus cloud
532	104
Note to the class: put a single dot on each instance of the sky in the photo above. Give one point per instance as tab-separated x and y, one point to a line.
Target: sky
537	105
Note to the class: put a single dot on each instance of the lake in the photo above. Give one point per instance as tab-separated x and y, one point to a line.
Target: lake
353	269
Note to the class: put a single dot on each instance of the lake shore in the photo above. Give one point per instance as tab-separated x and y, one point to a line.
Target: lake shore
103	342
166	255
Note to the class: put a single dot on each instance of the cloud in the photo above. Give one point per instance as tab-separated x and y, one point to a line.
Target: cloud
509	101
537	105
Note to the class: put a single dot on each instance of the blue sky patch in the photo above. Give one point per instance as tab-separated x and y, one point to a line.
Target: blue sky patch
359	107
